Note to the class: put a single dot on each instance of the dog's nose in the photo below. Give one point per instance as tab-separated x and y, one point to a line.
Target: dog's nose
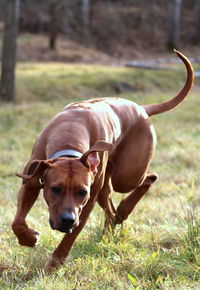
67	219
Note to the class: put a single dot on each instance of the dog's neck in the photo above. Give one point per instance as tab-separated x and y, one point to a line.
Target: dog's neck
66	153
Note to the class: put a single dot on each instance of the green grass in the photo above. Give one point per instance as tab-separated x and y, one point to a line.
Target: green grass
68	82
159	246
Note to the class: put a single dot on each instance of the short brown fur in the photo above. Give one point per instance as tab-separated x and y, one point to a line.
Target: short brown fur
72	185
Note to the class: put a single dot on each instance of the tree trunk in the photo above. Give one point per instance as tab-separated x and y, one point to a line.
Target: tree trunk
197	10
66	29
7	87
174	27
152	19
85	20
53	26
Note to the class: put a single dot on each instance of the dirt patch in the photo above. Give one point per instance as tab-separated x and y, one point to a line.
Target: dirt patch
34	48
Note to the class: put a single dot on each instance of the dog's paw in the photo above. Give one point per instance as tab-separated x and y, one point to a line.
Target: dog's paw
25	235
28	238
52	265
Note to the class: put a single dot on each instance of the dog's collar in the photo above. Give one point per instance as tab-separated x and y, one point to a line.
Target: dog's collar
66	153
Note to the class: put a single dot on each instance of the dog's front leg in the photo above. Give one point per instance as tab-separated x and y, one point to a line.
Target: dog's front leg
65	245
26	198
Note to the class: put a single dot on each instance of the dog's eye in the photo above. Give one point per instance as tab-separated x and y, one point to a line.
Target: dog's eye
82	193
56	190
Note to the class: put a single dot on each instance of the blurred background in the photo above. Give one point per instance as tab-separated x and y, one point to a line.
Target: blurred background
96	31
128	28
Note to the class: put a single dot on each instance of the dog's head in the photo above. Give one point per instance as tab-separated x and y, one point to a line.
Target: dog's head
66	184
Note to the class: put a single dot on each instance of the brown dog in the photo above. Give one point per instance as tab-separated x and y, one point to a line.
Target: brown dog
76	169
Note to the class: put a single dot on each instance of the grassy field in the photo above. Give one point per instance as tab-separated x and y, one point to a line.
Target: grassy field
159	246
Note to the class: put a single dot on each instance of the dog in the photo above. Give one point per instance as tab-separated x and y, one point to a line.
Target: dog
89	149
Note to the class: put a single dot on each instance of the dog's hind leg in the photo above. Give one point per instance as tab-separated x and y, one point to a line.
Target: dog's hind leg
127	205
105	201
107	205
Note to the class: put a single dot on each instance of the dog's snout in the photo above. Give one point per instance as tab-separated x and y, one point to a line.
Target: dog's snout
68	219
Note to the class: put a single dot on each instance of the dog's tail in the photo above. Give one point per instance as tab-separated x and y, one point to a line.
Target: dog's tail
168	105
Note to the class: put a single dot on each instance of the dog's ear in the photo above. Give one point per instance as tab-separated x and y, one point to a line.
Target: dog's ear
91	158
34	170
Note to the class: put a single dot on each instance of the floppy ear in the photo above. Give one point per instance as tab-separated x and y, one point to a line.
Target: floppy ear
91	158
35	170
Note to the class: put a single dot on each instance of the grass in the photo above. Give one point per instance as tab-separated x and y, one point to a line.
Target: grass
159	246
54	82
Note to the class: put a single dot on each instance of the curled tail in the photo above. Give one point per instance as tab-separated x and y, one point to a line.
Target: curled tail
168	105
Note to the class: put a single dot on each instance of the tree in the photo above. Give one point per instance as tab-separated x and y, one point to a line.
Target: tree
197	8
152	19
7	85
53	24
174	25
55	8
85	19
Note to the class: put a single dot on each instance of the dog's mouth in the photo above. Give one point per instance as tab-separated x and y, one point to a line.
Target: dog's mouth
61	228
65	230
